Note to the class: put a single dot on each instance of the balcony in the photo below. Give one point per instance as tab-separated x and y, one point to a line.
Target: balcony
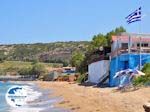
134	50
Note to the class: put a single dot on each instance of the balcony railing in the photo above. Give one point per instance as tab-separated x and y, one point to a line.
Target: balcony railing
132	50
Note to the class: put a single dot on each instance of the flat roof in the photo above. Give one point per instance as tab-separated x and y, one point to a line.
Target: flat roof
134	38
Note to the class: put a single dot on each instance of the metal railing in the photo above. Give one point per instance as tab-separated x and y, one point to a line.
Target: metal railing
133	50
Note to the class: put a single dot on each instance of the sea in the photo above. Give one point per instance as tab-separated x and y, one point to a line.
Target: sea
38	100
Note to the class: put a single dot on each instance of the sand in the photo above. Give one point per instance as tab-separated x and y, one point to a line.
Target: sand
90	99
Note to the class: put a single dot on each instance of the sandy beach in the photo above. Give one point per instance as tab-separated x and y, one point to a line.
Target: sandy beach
89	99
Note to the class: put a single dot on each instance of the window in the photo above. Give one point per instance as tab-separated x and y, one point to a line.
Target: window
124	45
143	45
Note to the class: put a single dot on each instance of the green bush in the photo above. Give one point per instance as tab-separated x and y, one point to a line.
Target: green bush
82	78
25	71
146	68
2	72
12	69
143	80
38	70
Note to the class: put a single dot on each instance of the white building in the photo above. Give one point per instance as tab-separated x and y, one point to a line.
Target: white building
98	71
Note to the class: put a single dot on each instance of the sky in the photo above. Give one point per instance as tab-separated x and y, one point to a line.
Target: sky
33	21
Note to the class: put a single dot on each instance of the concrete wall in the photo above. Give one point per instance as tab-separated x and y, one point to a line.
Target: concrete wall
97	70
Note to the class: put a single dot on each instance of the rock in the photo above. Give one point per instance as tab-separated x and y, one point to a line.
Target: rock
146	107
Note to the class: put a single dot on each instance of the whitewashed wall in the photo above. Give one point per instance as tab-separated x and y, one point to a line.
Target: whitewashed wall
97	70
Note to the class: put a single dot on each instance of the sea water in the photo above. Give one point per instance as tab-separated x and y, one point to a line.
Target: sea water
37	100
3	89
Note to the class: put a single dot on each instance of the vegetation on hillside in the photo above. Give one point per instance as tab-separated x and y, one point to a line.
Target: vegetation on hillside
76	59
57	52
25	68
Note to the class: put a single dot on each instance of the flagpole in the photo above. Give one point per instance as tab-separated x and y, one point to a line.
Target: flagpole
129	45
140	53
134	17
140	37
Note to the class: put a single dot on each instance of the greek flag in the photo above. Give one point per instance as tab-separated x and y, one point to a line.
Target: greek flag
135	16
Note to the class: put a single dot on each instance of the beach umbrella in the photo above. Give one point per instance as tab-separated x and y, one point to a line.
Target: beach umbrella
119	73
138	73
127	75
123	72
129	72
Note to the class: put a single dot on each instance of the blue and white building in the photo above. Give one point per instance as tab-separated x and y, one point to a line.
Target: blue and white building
128	51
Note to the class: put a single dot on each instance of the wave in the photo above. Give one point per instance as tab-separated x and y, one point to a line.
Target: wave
37	100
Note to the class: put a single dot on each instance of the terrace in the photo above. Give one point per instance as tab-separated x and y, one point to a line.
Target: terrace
130	44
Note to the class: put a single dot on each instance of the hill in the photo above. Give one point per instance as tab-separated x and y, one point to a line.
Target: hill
56	52
14	67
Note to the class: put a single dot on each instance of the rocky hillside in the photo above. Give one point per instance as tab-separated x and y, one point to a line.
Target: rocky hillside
57	52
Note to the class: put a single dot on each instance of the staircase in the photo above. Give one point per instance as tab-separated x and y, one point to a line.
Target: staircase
103	79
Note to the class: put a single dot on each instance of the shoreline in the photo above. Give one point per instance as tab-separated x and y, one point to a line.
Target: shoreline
89	99
38	99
